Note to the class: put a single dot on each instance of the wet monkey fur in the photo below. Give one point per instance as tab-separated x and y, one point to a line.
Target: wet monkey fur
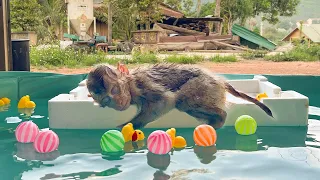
159	88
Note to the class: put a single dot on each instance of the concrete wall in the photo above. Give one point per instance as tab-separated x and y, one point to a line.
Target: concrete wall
32	36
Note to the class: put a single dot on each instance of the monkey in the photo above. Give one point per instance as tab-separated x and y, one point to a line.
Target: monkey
156	89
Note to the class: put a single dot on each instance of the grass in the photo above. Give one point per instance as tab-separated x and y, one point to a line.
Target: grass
298	53
254	54
218	58
184	59
54	57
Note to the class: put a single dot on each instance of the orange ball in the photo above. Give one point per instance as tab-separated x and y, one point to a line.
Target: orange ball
204	135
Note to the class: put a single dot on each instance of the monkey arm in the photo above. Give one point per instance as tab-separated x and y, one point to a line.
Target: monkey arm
149	111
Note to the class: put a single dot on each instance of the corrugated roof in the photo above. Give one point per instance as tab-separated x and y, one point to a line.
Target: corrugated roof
312	31
252	37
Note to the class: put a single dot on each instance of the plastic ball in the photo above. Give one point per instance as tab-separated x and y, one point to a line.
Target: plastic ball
112	141
46	141
159	142
204	135
245	125
26	132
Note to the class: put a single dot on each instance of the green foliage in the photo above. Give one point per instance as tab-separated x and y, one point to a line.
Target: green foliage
241	10
229	58
54	13
54	56
184	59
207	9
273	34
184	6
124	18
273	9
126	14
139	57
148	11
299	53
254	54
25	15
256	30
101	13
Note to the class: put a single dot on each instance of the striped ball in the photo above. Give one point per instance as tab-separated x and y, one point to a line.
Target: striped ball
112	141
245	125
26	132
159	142
204	135
46	141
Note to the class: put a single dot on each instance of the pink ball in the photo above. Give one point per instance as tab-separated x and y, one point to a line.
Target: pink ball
26	132
159	142
46	141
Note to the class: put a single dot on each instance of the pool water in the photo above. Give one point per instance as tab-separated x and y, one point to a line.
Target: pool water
272	153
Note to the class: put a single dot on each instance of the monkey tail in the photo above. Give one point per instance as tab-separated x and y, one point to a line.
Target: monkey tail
236	93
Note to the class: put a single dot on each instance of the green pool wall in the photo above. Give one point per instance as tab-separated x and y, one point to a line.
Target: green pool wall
38	85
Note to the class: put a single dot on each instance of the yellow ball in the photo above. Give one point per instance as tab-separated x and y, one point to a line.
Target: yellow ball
5	100
30	104
245	125
2	103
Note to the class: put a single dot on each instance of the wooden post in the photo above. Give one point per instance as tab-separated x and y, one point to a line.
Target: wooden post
109	24
5	37
217	14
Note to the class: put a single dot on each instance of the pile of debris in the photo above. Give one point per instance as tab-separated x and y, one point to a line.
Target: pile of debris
194	34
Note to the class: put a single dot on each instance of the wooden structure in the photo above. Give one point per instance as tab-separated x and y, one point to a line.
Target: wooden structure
190	40
309	32
5	37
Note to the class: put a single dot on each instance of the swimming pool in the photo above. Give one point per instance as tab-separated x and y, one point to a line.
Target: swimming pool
272	153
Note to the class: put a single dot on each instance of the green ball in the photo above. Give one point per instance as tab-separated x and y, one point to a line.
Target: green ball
245	125
112	141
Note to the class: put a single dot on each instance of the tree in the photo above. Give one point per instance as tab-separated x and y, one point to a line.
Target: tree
25	15
124	17
198	7
184	6
217	13
241	10
54	13
207	9
272	9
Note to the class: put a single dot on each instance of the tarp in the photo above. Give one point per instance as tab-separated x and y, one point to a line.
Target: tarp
251	38
14	85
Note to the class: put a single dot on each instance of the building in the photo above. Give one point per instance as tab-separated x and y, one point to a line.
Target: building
309	31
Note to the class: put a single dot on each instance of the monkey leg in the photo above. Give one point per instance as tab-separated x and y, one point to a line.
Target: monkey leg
216	117
213	116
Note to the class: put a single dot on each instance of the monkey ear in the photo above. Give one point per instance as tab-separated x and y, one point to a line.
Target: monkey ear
123	69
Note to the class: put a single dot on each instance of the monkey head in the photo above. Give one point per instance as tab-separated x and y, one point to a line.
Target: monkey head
108	86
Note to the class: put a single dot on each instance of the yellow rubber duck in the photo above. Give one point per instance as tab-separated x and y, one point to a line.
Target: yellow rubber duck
261	95
1	103
26	103
130	134
177	141
5	101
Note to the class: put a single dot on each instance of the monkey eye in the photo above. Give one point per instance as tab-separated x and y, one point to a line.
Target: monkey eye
115	90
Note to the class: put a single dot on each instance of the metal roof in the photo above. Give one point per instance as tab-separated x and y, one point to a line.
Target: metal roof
312	31
252	37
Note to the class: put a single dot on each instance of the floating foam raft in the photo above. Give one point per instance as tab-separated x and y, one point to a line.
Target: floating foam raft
77	111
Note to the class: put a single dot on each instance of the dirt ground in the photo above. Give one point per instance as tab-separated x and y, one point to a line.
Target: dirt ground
241	67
